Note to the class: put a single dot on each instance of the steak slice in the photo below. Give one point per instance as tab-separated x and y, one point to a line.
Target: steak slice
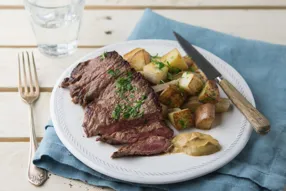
151	146
138	133
92	77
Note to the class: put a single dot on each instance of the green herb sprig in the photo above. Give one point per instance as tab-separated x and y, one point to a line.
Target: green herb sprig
103	56
113	73
159	64
155	58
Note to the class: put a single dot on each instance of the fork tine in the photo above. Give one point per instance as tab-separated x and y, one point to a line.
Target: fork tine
30	73
19	75
35	74
24	72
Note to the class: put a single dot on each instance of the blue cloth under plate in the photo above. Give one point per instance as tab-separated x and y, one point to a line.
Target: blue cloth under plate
262	163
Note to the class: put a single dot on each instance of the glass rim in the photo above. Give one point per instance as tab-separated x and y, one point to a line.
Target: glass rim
51	7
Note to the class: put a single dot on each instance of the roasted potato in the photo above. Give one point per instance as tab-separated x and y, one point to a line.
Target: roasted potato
210	93
222	105
137	58
202	75
130	54
174	60
172	96
161	87
191	64
191	83
181	119
205	116
154	73
192	104
164	110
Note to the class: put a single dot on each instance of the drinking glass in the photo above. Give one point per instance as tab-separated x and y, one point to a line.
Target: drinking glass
56	24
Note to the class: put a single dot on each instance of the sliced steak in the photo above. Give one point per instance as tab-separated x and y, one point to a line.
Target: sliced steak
98	117
92	76
137	133
129	114
151	146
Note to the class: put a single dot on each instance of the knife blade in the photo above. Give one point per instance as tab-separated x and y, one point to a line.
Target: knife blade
210	71
258	121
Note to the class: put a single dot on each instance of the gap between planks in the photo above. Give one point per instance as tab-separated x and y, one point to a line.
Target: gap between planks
15	89
138	7
35	46
18	139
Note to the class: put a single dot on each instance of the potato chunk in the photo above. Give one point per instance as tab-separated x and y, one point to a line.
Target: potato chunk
205	116
210	93
181	119
172	96
174	60
192	104
131	53
222	105
191	64
137	58
202	75
155	72
191	83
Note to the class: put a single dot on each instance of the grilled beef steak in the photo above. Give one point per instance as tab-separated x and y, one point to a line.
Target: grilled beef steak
150	146
120	105
137	133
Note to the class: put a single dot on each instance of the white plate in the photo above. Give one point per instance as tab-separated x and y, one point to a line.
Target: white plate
231	129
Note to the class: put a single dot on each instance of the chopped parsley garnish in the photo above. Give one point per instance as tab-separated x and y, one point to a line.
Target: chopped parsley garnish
182	123
131	110
103	55
169	76
155	57
159	64
113	73
116	112
172	69
175	70
124	84
162	82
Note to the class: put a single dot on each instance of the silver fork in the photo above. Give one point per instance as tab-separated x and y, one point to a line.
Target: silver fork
30	92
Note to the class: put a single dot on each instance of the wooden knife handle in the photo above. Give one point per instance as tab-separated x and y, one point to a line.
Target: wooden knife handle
256	119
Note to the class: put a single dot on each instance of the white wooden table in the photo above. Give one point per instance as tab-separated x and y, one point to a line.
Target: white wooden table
255	19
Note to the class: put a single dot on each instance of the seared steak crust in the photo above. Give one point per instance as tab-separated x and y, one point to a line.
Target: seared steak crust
92	86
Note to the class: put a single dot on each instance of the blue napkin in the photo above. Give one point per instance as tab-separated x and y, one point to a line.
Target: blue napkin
262	163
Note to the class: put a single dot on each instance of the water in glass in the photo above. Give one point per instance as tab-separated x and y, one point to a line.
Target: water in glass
56	24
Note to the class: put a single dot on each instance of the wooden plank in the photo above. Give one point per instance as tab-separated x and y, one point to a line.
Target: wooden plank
14	157
164	3
14	117
101	27
49	69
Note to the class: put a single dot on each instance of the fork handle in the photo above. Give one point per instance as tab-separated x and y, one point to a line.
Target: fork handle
36	176
259	122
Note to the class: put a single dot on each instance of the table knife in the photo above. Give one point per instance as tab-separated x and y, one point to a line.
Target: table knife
259	122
